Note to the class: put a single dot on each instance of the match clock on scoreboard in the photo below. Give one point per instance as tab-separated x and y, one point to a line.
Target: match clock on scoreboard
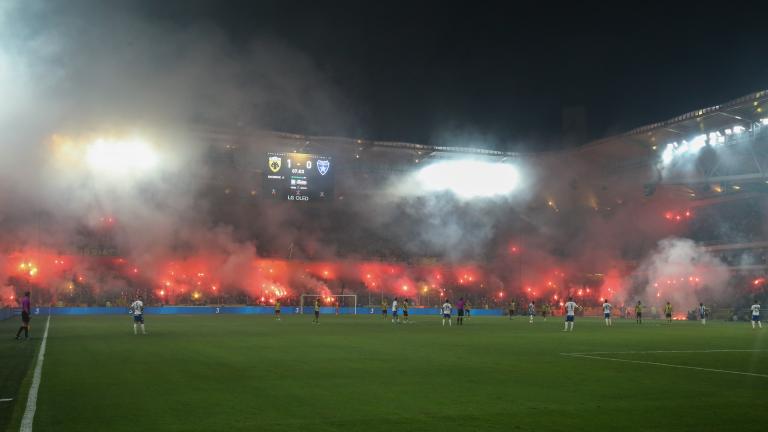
298	177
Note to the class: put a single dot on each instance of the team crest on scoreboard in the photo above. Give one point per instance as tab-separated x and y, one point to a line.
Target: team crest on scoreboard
274	163
323	166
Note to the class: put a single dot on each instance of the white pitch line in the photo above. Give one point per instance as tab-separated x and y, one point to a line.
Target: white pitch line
29	412
664	352
667	364
6	399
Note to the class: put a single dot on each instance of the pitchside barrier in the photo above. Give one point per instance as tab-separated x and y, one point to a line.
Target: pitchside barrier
6	313
718	315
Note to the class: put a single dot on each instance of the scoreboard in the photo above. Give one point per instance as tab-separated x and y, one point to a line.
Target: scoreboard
298	177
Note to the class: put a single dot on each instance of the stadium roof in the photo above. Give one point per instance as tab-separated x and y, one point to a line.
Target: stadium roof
614	154
746	109
638	147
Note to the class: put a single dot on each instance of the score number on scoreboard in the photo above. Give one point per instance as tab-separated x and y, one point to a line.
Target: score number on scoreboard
298	177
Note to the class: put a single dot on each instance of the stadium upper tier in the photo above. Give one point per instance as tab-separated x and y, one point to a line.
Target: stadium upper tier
641	153
699	159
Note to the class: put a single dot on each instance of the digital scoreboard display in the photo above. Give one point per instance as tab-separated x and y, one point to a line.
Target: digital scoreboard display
298	177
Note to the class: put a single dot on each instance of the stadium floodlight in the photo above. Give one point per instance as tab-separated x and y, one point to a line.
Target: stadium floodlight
121	157
469	178
669	153
698	143
686	148
716	138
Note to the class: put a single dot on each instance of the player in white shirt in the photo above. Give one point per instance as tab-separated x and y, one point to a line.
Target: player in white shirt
447	312
137	310
570	314
756	314
607	307
395	316
703	313
531	311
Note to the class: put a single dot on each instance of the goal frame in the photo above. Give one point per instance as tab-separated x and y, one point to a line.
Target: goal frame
301	300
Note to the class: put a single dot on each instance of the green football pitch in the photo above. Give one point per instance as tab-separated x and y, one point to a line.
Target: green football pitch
248	373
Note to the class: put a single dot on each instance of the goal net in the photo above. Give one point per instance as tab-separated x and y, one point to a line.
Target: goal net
338	301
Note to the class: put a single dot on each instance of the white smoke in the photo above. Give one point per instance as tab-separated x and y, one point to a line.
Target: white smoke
683	273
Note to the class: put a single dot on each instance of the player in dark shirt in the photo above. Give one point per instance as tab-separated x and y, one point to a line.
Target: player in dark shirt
460	309
25	316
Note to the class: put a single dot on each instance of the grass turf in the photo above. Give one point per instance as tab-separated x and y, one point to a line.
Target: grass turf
15	362
244	373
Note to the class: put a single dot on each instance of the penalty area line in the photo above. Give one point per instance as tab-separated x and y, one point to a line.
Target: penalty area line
29	412
666	364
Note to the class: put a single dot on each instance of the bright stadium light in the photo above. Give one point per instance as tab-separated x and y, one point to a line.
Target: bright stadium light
697	143
669	153
692	147
469	178
121	156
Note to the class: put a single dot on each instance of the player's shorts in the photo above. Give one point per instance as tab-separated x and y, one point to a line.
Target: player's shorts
139	319
701	316
669	316
317	313
569	318
25	317
384	312
544	313
755	318
446	315
607	315
394	313
277	312
639	314
511	311
468	312
461	312
405	313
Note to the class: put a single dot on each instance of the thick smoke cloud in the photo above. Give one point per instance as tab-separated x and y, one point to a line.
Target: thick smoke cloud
683	273
74	71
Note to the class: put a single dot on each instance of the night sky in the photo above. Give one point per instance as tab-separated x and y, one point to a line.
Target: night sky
422	71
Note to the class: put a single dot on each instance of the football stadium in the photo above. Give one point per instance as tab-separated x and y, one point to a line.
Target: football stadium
309	327
163	272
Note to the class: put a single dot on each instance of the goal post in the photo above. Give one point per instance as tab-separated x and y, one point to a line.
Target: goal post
337	297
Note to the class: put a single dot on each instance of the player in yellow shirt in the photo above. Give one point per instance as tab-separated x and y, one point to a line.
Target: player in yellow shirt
639	312
277	310
668	312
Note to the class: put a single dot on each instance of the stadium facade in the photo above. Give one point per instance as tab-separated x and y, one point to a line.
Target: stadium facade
583	221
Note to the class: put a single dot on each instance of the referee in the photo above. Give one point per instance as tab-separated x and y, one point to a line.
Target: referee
25	308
